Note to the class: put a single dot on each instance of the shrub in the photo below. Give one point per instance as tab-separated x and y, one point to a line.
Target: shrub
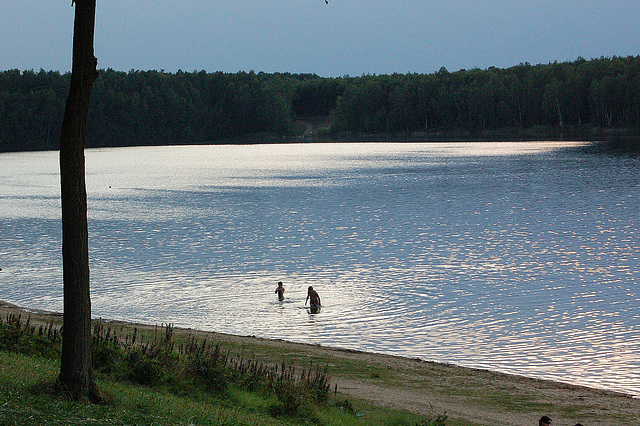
22	337
143	370
213	376
195	366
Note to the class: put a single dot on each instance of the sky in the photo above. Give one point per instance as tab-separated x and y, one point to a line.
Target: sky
344	37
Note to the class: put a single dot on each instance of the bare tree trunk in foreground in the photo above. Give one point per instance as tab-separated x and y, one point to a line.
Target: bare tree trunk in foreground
76	372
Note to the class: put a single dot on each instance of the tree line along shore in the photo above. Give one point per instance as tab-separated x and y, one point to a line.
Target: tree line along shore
583	99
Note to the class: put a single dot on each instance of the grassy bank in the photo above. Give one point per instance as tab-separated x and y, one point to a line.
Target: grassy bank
148	376
25	399
383	390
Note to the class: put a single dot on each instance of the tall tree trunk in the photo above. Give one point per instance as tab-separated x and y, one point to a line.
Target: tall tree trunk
76	372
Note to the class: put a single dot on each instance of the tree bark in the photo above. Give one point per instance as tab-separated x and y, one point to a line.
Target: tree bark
76	371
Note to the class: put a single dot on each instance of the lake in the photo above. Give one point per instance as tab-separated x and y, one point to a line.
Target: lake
515	257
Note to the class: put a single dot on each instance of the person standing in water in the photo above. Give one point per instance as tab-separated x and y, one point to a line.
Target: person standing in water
313	297
280	291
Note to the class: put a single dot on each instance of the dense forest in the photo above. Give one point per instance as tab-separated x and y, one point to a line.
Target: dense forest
582	98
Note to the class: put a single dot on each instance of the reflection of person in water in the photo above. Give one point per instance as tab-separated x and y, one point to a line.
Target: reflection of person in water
313	297
280	291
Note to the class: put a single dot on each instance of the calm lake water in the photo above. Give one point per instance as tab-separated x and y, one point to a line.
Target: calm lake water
516	257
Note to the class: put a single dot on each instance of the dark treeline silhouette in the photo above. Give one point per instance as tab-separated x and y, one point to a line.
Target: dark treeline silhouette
601	93
158	108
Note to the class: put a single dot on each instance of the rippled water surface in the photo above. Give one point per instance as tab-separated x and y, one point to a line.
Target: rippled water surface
521	258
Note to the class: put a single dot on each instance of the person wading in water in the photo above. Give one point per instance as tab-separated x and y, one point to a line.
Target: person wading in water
313	297
280	291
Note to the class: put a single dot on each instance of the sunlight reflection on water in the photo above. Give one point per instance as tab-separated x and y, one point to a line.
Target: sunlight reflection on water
519	257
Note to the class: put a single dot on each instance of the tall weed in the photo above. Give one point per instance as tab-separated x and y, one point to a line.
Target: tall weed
22	337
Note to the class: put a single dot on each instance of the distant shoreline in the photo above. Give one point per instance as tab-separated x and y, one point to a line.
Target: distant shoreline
470	395
614	140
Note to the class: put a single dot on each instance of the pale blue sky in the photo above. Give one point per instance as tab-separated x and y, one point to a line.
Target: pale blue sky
352	37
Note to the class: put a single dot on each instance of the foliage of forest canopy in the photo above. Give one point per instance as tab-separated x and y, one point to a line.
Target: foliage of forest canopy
159	108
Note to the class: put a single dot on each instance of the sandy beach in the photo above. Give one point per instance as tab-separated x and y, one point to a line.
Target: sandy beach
468	396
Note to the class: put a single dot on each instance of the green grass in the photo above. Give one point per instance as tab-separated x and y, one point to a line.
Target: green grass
151	378
26	399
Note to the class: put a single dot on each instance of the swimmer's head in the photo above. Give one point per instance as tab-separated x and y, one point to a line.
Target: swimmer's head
310	288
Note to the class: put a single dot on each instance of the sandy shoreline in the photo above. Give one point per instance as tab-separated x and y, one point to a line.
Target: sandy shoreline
469	396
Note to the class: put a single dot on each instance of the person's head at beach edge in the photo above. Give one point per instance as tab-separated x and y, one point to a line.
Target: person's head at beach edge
544	421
